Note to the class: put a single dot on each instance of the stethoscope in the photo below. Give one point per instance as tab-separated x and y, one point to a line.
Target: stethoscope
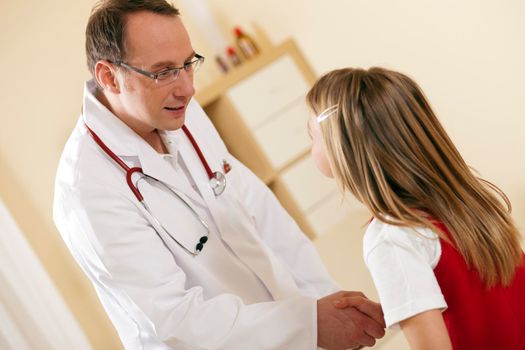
217	182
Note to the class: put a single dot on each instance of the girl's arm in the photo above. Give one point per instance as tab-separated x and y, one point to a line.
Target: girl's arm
426	331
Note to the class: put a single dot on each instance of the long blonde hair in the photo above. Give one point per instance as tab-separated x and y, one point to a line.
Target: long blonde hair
386	146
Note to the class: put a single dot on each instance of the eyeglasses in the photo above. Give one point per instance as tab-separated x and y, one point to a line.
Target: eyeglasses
167	76
326	113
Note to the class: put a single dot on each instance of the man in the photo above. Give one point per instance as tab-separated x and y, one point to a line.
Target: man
180	257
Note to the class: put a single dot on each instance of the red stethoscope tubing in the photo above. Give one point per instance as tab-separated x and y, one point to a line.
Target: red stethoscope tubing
130	171
199	153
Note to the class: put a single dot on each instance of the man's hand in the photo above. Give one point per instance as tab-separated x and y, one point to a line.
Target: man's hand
362	303
348	320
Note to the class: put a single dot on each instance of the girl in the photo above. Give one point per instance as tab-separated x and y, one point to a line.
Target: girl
442	249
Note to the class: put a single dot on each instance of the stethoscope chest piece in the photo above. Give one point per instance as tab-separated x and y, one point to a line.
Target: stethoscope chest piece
218	183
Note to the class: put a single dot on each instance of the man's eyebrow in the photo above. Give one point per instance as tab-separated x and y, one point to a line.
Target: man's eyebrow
171	63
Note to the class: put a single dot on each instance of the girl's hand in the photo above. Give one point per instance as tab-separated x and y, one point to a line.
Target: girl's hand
363	304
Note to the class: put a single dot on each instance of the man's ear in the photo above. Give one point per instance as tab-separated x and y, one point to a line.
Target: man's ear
106	75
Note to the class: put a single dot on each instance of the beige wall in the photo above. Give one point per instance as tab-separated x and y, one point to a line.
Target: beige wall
467	55
42	65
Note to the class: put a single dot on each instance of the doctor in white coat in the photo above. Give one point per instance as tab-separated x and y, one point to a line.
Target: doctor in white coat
186	248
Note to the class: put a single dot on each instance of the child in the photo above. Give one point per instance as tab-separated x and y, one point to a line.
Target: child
442	249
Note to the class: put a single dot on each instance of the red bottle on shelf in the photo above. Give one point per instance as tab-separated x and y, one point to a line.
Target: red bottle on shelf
234	58
245	43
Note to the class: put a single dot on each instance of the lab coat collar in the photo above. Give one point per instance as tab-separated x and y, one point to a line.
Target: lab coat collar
119	137
124	142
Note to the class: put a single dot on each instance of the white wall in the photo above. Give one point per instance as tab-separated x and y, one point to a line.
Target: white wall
33	315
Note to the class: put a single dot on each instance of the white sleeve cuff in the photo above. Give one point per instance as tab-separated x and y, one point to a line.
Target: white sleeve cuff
412	308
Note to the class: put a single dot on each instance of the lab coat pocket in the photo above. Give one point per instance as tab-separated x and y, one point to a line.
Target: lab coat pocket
172	215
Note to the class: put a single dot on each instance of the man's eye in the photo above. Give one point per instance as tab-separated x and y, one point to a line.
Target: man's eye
164	74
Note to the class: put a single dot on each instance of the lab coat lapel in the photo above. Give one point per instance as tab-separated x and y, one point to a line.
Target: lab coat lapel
194	165
236	226
238	231
116	135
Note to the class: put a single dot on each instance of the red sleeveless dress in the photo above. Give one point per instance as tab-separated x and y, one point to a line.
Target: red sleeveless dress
477	318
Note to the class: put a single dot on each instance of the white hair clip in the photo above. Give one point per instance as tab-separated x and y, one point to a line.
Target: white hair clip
326	113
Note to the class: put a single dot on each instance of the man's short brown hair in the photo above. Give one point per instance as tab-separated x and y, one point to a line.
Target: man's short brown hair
105	39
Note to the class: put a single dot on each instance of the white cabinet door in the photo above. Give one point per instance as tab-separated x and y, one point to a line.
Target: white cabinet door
307	185
284	136
267	91
324	216
271	103
317	196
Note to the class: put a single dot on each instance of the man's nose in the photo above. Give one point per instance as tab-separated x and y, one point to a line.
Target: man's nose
184	84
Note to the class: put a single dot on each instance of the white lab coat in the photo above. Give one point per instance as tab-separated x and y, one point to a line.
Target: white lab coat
255	284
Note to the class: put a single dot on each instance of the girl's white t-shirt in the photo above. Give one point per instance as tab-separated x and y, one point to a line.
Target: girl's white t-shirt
401	261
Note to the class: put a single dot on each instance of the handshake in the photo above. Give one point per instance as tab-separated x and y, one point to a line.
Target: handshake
348	320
